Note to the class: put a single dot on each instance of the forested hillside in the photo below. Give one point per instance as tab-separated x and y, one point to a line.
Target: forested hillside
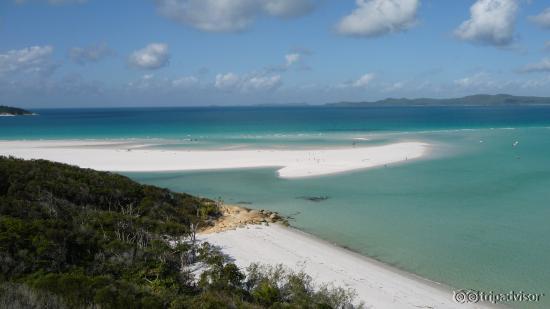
13	111
72	238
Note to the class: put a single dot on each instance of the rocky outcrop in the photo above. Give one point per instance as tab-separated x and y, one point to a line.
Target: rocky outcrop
236	216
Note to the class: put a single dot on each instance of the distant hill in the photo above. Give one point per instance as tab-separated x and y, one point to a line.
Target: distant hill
300	104
473	100
13	111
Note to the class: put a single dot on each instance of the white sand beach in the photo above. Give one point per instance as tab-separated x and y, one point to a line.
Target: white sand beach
121	157
378	285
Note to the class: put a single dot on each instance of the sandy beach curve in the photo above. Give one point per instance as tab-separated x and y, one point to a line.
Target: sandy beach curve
117	157
376	284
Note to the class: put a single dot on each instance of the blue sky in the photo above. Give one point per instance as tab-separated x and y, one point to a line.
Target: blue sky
76	53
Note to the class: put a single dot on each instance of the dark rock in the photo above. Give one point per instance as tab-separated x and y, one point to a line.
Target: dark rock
315	199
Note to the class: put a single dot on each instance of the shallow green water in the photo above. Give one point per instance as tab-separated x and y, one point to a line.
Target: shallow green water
474	214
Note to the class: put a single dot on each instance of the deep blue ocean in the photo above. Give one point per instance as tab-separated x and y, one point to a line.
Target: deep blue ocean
243	121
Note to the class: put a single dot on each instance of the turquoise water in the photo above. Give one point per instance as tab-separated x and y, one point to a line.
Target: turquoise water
473	214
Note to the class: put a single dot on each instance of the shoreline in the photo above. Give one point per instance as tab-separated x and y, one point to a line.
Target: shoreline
295	163
377	284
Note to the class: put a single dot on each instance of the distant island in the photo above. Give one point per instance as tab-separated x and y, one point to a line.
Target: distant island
473	100
13	111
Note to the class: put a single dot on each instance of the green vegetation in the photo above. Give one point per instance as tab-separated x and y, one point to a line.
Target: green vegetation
6	110
73	238
473	100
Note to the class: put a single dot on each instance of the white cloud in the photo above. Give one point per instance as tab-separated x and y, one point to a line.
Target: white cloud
480	79
227	81
493	83
378	17
363	81
232	81
535	84
153	56
261	83
542	19
28	73
295	59
491	22
229	15
394	87
486	82
34	60
542	66
94	53
185	82
153	84
292	58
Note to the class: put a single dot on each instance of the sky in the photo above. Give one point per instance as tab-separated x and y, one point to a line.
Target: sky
101	53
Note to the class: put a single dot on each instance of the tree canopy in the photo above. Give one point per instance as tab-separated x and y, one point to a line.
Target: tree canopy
72	237
13	110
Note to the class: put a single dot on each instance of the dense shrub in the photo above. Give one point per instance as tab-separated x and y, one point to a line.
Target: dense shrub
72	237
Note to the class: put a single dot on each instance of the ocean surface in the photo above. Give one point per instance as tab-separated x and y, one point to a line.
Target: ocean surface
473	214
